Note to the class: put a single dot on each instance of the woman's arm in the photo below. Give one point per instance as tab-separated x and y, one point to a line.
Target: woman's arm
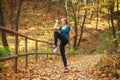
73	33
55	27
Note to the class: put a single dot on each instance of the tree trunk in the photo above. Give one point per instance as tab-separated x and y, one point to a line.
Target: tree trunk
12	14
97	19
49	5
60	2
18	14
75	24
87	1
112	22
3	34
108	19
118	17
97	15
48	9
65	8
82	29
91	15
81	1
34	5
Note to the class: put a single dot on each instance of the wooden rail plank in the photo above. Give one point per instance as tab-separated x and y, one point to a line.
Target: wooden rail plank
22	35
8	57
24	54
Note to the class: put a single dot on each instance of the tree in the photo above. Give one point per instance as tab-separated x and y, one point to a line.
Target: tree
35	5
82	28
97	19
65	8
112	22
58	13
12	2
49	5
2	24
75	24
18	14
118	17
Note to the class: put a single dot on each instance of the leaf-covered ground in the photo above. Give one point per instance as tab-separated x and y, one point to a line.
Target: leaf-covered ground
108	68
79	69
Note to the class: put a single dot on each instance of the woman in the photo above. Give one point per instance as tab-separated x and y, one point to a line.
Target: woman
62	33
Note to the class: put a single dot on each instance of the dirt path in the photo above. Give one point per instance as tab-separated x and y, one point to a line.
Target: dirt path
79	66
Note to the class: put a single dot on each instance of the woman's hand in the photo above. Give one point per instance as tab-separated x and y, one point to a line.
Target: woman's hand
56	21
55	27
56	24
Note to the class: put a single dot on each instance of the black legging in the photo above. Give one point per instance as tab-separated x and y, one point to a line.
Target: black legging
63	42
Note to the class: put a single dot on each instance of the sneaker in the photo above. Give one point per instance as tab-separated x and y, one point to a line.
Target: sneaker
55	49
66	70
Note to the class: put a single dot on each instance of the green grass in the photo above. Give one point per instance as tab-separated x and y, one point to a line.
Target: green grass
2	67
107	42
4	51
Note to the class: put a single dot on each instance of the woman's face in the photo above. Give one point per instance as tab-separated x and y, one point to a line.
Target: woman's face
63	22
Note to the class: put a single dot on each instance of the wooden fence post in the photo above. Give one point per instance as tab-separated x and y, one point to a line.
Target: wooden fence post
26	51
36	51
47	50
16	53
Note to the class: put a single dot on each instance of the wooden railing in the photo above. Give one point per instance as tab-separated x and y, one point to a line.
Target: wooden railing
16	55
